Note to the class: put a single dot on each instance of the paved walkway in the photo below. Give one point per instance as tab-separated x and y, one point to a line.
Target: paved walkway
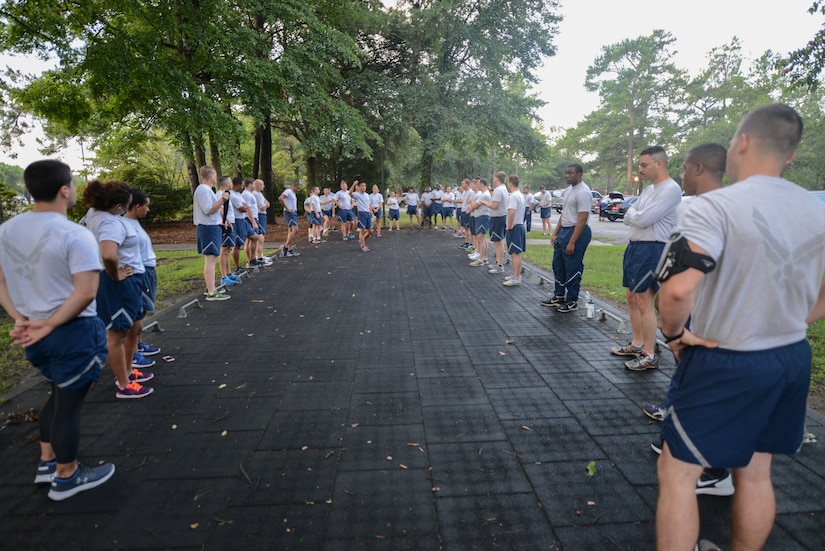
392	400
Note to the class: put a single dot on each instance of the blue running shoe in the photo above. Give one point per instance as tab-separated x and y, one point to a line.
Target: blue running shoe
148	349
139	361
84	478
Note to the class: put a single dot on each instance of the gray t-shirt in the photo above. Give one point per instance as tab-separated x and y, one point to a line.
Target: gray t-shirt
106	226
40	252
501	195
576	199
766	235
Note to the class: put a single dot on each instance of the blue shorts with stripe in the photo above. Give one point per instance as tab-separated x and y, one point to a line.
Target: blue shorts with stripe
481	225
72	356
209	240
725	404
516	239
394	214
228	236
243	229
290	219
364	221
262	229
120	303
545	212
497	226
412	209
639	264
345	215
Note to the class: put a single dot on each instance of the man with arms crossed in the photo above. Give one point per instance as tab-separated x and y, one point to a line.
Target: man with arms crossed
651	220
739	392
497	205
48	286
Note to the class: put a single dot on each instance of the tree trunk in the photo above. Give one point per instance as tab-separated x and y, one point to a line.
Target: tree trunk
215	155
312	171
266	167
630	184
256	159
191	169
200	154
426	168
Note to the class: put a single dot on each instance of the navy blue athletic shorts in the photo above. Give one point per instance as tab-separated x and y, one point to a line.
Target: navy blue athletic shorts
725	404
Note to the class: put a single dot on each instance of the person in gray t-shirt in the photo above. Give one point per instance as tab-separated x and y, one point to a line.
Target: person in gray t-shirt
49	270
743	397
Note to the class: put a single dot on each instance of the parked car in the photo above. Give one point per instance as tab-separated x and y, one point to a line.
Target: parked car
596	201
558	199
608	201
619	209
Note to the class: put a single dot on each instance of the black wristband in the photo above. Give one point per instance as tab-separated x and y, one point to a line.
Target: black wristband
674	337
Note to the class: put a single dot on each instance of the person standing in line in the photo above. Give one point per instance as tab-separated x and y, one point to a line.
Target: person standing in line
242	225
411	197
497	205
316	220
467	195
207	219
437	206
651	220
228	237
739	393
377	208
254	241
516	235
448	206
528	209
139	208
289	200
120	291
545	210
570	240
702	172
427	208
263	204
481	224
362	200
48	288
327	204
343	201
394	213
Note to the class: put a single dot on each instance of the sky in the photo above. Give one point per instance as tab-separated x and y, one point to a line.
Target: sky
697	25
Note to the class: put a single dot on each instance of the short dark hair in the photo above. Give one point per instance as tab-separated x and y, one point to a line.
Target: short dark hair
513	179
713	157
653	150
43	179
776	125
578	168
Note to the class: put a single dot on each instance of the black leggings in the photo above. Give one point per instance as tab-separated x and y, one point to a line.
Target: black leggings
60	421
